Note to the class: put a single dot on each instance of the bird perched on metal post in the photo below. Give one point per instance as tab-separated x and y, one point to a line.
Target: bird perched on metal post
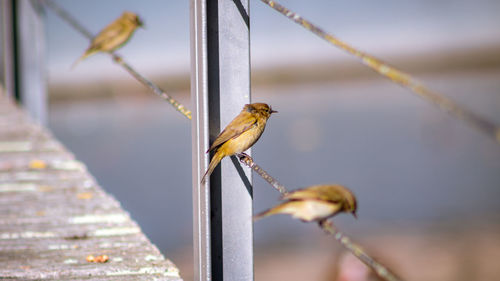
240	134
113	36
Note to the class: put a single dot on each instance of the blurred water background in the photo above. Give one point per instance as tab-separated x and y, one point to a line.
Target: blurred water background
428	185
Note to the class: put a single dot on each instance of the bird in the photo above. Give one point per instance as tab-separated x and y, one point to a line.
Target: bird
315	203
113	36
240	134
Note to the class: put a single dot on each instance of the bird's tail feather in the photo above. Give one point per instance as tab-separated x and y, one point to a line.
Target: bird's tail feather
85	55
213	163
78	60
266	213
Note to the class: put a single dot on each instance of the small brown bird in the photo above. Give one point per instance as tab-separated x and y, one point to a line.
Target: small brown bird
240	134
113	36
315	203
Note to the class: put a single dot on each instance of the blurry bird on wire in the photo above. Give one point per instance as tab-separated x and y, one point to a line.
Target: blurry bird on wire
113	36
315	203
243	131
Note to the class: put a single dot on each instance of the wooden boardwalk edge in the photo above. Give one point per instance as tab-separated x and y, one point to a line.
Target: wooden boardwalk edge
54	215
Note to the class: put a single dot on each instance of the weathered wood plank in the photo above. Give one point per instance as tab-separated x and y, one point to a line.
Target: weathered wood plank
53	214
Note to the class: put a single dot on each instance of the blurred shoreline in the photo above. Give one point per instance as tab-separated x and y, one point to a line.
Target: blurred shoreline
290	73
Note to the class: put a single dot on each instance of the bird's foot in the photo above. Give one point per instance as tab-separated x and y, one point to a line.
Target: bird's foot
327	225
243	154
117	58
245	158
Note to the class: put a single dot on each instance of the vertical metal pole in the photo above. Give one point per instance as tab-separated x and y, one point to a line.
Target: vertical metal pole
199	132
8	28
220	86
24	55
31	59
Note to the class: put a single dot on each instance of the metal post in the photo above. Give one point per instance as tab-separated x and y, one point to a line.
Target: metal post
220	86
8	54
33	83
24	53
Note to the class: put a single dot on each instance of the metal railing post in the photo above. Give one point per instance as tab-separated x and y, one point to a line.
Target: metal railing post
220	86
8	50
24	54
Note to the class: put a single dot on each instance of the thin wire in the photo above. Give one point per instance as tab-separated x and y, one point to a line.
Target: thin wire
177	105
68	18
397	76
248	161
326	225
357	251
118	59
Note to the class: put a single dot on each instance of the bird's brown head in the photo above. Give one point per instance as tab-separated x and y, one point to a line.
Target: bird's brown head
262	109
133	18
350	204
335	193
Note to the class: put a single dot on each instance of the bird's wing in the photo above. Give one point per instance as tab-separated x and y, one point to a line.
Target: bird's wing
283	208
310	210
317	192
108	34
239	125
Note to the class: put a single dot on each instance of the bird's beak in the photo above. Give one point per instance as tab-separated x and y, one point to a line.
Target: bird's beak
140	23
273	111
354	215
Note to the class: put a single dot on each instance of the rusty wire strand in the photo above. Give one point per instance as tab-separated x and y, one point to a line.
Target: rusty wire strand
119	60
327	226
68	18
248	161
357	251
445	104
